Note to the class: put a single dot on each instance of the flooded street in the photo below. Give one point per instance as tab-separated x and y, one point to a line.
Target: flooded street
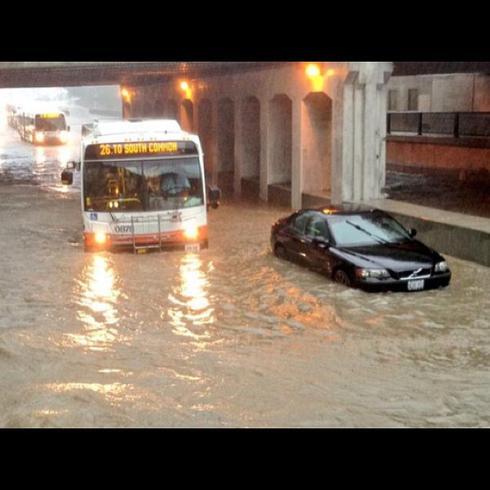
227	337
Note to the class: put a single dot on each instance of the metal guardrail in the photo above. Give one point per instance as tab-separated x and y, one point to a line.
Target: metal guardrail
453	124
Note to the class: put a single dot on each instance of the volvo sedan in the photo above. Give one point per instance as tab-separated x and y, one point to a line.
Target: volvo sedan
359	247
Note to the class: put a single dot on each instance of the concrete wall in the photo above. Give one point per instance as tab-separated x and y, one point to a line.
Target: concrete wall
463	92
437	154
322	132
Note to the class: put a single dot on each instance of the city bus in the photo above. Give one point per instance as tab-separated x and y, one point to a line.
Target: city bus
142	186
42	127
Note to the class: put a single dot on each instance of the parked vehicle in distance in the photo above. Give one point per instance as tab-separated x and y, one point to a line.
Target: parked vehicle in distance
359	247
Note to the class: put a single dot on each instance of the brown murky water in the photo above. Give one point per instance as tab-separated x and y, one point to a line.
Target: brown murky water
227	337
231	336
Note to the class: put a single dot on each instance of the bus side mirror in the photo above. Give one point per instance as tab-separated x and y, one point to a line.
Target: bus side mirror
214	196
72	165
68	128
412	232
67	177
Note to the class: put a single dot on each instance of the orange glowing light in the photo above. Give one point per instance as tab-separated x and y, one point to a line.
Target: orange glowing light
125	93
191	231
312	70
184	86
330	72
100	237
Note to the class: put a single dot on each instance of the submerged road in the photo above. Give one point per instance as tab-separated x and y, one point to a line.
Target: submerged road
230	336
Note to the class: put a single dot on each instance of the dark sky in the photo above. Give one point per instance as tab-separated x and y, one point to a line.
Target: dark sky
427	67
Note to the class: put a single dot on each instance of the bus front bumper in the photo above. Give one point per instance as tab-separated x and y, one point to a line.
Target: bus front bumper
98	241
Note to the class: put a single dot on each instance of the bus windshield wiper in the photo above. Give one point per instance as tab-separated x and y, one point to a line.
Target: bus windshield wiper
360	228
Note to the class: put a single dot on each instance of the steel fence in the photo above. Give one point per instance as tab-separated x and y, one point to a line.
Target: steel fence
453	124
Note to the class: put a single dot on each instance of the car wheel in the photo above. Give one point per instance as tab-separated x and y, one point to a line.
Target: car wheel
280	252
342	277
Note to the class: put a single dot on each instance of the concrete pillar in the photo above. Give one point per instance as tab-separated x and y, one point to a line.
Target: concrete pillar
265	150
297	154
239	148
214	142
359	133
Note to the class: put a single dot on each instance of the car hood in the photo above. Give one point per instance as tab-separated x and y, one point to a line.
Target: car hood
397	257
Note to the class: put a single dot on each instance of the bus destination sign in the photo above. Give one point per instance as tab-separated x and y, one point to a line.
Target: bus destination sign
106	151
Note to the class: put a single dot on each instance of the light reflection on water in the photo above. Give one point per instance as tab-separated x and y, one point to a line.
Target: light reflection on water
97	294
230	335
189	304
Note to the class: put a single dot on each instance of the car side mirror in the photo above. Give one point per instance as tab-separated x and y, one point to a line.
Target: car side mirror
67	177
320	242
214	196
412	232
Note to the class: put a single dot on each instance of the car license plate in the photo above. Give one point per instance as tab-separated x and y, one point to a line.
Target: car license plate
416	285
192	247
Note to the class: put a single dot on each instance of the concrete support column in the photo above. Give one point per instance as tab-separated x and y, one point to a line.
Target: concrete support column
265	151
359	133
297	154
239	148
214	143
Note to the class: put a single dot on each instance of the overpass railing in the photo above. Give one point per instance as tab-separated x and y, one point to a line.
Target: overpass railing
452	124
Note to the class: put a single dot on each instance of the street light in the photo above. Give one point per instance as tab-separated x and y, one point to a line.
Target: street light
312	70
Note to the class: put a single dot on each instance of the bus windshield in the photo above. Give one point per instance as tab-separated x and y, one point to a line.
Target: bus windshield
151	185
57	123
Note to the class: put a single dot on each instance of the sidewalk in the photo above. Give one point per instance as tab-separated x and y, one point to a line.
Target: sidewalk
456	234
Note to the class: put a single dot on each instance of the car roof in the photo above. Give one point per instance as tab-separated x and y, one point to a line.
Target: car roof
346	209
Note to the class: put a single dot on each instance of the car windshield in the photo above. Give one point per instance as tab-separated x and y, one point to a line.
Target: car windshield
50	124
366	229
155	185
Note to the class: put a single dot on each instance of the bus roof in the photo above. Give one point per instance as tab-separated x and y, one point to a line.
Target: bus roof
39	108
133	130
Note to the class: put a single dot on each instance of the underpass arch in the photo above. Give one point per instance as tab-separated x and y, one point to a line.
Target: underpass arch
206	133
225	133
187	115
317	143
158	109
172	110
250	144
280	144
147	109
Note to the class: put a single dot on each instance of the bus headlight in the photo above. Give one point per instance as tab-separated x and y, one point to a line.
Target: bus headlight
100	238
191	231
39	137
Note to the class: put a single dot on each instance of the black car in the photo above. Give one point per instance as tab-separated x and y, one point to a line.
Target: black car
360	247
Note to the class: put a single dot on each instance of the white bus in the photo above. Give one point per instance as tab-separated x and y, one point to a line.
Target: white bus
42	127
142	186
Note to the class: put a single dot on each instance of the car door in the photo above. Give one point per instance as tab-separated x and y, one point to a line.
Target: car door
317	255
294	236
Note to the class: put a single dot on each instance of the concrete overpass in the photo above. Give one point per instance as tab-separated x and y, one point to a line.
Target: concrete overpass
66	74
294	133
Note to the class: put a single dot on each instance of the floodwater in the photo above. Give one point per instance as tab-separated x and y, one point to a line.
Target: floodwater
227	337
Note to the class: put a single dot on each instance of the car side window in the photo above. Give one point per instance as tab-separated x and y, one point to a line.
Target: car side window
298	223
317	228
